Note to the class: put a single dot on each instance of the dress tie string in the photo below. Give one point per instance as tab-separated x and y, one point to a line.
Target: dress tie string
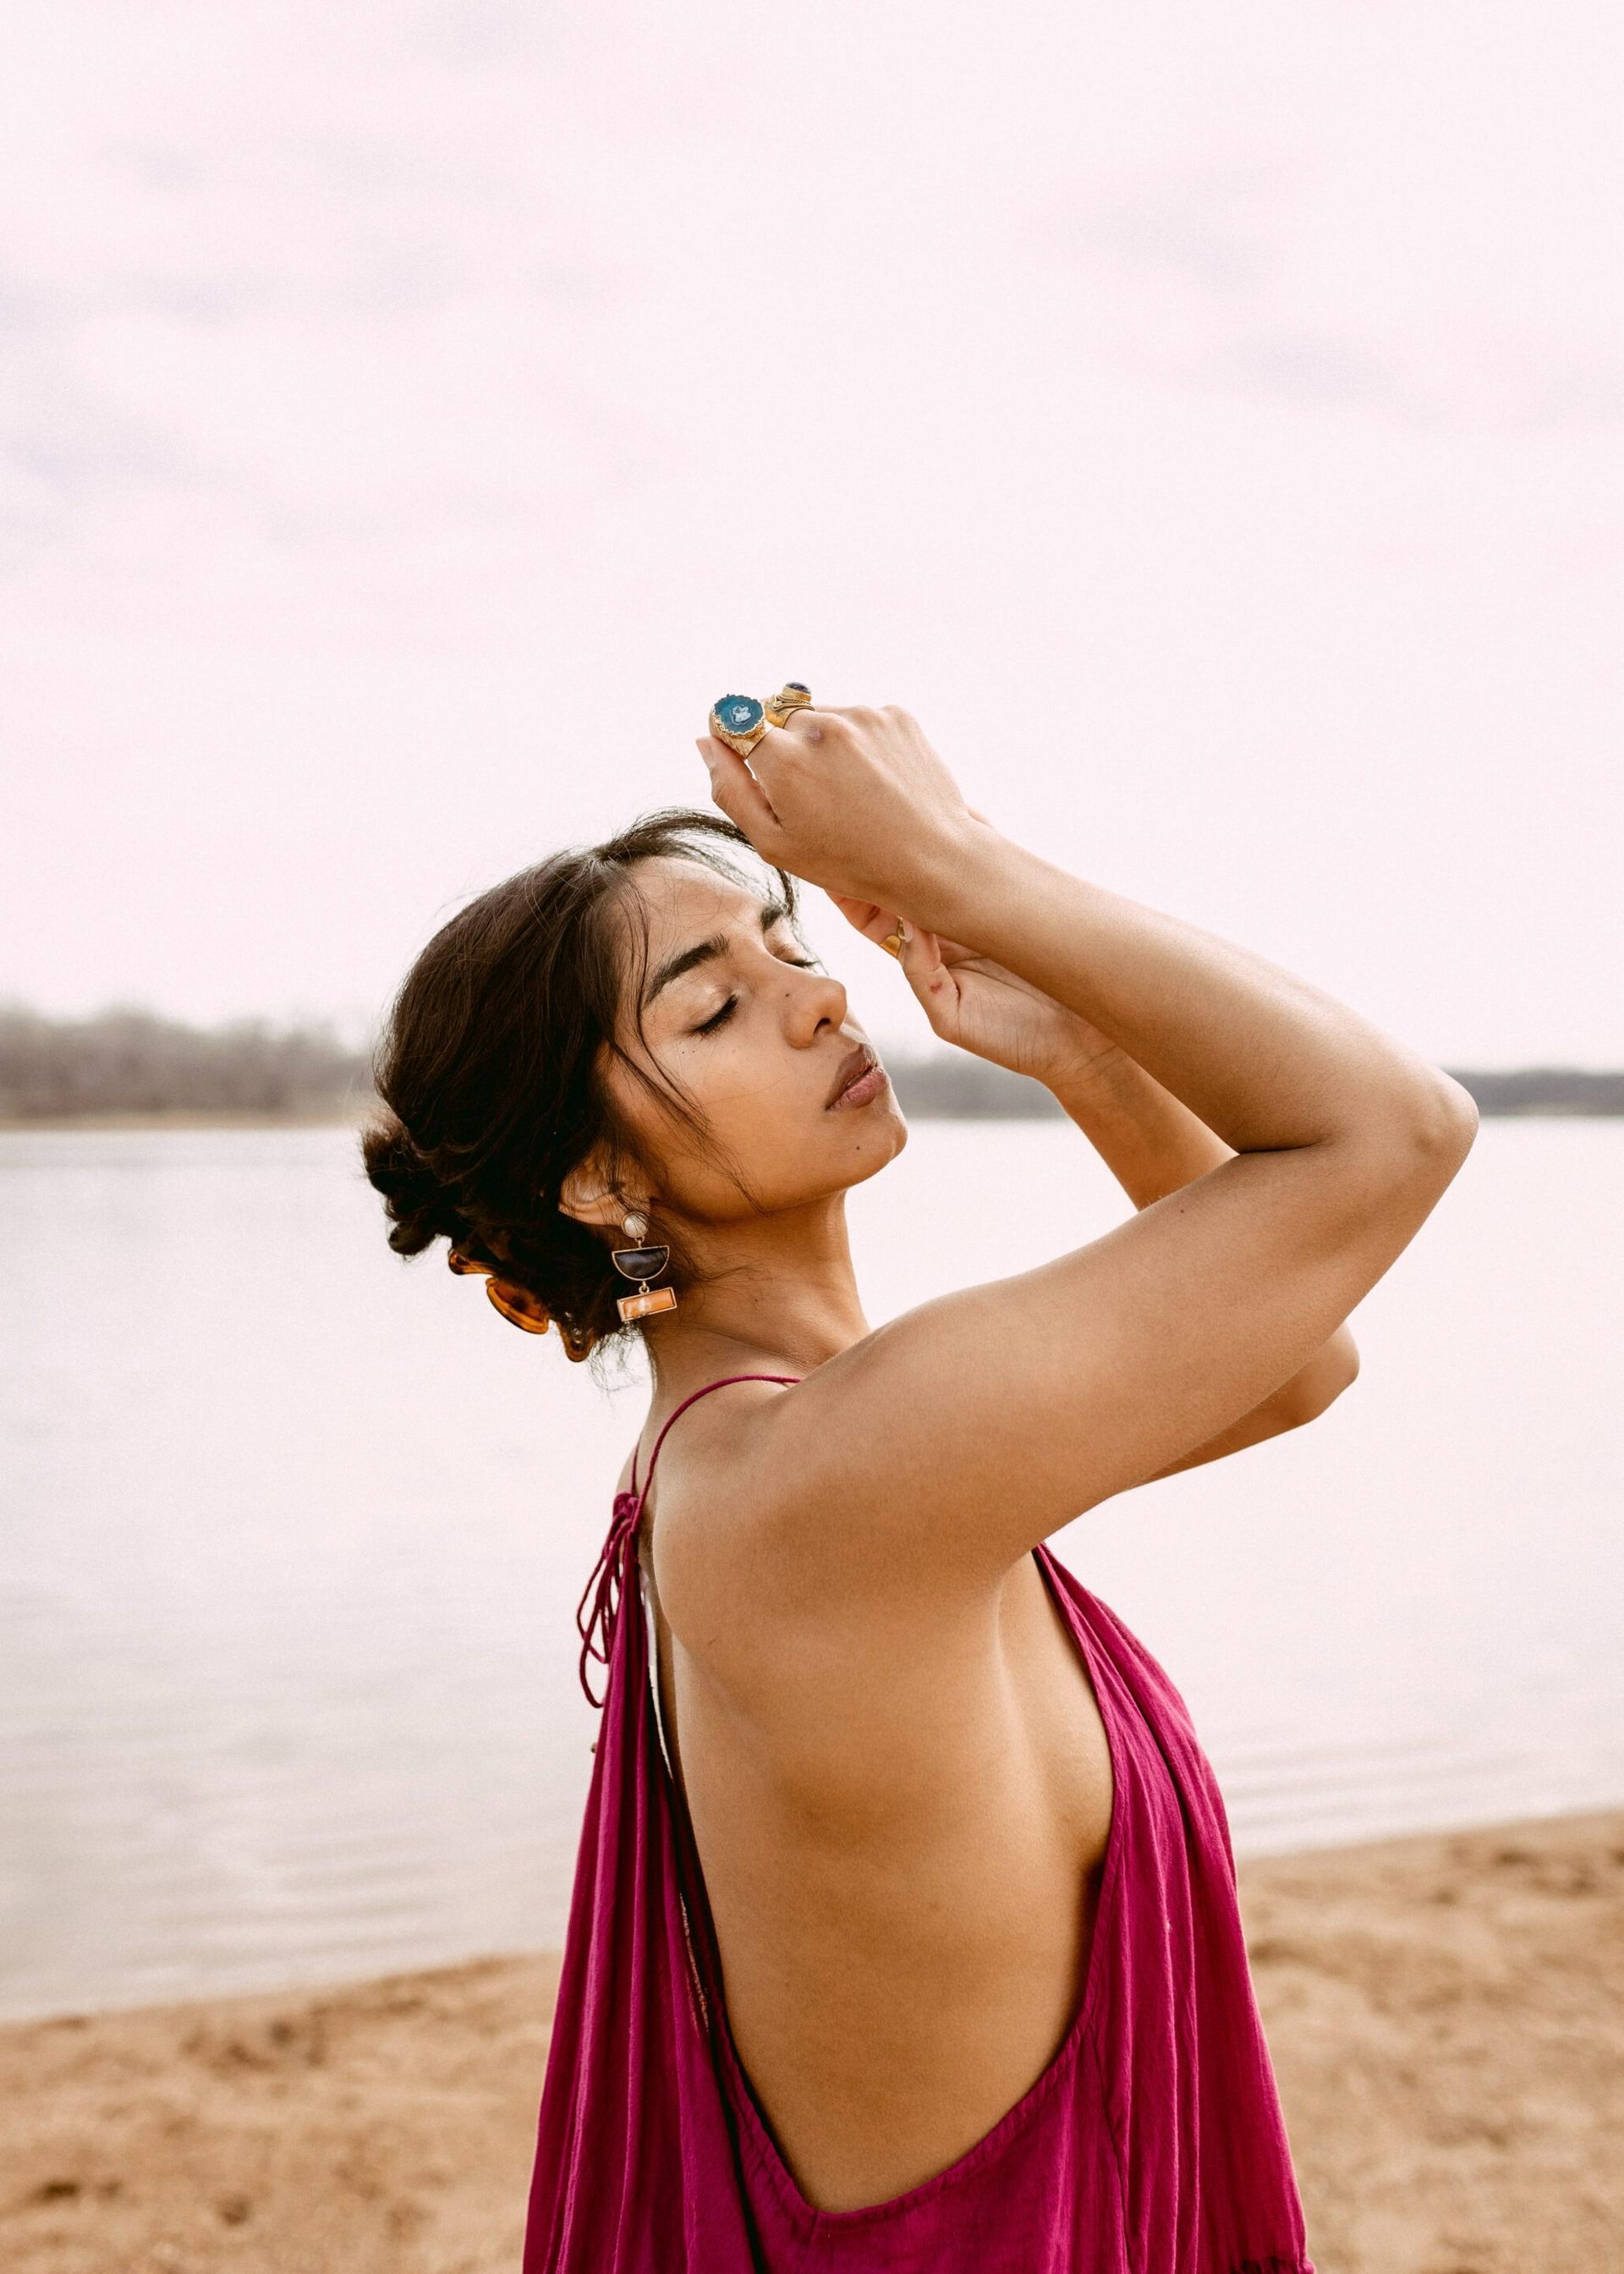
606	1588
607	1584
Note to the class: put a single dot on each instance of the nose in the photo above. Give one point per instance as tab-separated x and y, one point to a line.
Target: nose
817	1000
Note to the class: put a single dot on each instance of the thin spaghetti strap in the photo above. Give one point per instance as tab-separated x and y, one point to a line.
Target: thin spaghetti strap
687	1402
604	1588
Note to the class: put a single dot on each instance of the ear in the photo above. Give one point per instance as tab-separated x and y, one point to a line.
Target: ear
587	1196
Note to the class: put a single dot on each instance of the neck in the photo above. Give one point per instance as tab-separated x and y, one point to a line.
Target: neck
777	1295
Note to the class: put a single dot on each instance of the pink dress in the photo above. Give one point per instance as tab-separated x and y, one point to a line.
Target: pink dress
1152	2142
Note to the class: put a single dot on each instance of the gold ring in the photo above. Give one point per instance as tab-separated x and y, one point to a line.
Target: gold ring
791	697
892	943
741	721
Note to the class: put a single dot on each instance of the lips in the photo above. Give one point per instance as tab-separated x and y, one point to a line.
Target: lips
852	1068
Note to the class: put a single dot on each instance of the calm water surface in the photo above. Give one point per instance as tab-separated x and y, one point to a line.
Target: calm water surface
294	1532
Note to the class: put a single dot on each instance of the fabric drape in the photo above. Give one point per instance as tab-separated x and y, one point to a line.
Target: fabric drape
1152	2142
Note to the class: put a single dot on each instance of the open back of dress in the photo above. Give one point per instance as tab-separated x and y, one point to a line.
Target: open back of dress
1152	2142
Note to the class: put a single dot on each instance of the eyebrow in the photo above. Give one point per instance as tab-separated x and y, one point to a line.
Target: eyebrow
706	951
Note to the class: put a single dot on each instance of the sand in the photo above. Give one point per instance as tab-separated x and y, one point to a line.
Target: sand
1447	2016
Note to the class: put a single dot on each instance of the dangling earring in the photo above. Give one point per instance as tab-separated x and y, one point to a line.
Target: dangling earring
643	1264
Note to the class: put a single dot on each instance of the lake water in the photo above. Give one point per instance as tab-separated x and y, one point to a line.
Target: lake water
294	1532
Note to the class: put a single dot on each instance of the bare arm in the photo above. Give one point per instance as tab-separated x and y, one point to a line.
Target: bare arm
951	1440
1154	1146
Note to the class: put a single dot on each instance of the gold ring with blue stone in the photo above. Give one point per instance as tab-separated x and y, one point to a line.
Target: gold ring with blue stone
741	721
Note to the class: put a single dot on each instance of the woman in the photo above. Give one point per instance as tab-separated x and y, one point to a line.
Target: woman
904	1933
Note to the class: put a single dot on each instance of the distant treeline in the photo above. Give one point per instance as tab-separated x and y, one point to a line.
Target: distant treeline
131	1061
965	1087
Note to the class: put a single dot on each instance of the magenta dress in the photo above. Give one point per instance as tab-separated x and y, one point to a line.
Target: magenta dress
1152	2142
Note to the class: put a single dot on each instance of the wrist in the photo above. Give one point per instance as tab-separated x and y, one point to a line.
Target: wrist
963	871
1103	1082
1150	1141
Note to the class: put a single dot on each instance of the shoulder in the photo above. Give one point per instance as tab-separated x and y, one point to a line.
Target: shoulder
713	1509
778	1593
711	1452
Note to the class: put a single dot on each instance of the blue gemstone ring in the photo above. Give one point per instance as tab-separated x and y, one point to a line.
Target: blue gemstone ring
741	721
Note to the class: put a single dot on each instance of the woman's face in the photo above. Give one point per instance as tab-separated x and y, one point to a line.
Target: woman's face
761	1043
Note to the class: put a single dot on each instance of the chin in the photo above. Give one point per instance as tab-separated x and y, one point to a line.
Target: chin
884	1139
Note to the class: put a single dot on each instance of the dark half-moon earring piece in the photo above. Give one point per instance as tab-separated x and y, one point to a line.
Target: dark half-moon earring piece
643	1264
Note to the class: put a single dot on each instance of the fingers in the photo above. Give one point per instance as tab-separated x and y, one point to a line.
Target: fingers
866	917
735	789
740	790
921	962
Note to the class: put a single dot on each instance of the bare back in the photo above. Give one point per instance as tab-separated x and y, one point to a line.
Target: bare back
901	1847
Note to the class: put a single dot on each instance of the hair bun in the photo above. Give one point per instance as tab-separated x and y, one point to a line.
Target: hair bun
419	1206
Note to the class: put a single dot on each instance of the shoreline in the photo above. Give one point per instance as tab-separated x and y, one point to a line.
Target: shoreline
1445	2014
924	1102
921	1107
185	1118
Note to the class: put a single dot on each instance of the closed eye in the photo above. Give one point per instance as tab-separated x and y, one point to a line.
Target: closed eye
709	1025
719	1018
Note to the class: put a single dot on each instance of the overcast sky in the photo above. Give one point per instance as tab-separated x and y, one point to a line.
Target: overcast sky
1209	420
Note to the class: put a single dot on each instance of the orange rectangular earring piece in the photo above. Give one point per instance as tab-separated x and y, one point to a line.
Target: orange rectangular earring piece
646	1302
642	1264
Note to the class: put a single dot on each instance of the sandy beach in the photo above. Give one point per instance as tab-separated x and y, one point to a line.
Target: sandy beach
1446	2015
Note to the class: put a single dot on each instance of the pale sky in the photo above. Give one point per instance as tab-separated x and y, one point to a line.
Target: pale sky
1209	420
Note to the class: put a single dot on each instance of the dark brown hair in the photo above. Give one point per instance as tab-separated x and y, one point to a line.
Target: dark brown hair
491	1065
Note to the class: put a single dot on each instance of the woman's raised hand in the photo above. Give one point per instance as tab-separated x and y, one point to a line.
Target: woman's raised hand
857	800
981	1005
854	800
